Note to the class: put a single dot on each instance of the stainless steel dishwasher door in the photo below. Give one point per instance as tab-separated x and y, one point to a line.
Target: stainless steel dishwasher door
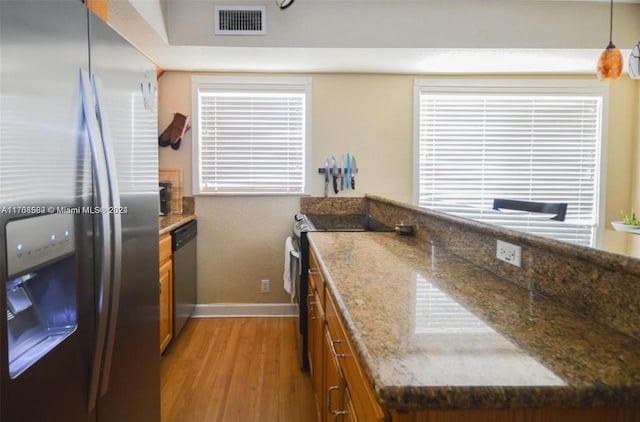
184	275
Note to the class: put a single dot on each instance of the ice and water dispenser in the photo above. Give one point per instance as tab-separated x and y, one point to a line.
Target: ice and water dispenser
41	288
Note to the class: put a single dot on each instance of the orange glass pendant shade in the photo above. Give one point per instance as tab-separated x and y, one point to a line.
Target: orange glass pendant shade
610	63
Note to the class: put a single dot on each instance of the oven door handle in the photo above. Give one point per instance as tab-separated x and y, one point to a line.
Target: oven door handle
296	255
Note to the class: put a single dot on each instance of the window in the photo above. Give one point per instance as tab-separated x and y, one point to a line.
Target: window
251	135
526	140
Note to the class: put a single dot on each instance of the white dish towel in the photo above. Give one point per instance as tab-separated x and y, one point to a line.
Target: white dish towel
289	274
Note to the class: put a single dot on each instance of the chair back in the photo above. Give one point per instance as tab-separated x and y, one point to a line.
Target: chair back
557	208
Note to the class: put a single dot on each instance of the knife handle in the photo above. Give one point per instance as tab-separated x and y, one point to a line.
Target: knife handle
335	184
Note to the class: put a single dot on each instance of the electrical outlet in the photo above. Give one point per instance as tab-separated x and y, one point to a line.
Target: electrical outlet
509	253
265	286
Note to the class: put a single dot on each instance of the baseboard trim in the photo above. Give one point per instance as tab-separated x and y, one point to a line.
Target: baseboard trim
223	310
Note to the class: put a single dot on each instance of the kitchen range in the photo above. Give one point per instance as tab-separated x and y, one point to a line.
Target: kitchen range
79	249
305	223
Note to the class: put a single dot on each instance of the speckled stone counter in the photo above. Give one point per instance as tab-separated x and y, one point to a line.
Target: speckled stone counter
603	286
171	222
434	331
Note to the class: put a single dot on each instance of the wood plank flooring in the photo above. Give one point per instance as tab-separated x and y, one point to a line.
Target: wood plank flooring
235	369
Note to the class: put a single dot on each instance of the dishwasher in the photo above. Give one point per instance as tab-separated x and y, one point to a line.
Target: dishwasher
184	274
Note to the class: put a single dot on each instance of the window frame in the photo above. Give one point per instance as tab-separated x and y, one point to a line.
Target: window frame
572	87
235	83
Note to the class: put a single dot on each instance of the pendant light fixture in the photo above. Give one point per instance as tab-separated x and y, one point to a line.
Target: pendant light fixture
634	62
610	62
283	4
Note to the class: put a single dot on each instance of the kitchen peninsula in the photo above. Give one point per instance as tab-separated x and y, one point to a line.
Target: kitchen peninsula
437	336
506	350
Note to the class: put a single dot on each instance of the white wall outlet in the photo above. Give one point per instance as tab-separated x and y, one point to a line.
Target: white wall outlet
265	286
510	253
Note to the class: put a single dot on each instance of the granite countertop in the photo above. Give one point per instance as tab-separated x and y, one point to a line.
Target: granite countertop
171	222
434	331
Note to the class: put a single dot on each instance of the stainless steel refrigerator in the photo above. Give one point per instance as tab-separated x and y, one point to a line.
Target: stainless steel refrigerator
78	219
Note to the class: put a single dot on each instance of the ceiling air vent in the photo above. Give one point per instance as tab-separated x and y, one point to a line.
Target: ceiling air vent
240	20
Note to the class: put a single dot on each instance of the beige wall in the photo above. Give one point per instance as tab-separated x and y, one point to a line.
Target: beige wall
174	96
240	242
634	246
621	144
636	154
370	116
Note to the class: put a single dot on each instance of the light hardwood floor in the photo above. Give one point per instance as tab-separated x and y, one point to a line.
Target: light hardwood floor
235	369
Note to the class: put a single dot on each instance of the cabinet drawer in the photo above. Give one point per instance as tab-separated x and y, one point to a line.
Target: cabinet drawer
316	275
365	405
166	304
314	285
165	248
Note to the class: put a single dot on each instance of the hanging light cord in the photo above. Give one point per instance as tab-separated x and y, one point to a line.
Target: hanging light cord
611	24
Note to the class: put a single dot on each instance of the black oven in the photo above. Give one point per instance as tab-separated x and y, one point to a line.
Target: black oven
319	222
301	246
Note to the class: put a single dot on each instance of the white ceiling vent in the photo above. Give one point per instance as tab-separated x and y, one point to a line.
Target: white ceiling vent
240	20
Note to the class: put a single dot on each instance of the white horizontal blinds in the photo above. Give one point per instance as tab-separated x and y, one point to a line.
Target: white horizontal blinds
479	146
251	141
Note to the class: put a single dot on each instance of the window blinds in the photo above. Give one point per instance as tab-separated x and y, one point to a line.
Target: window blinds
474	147
251	141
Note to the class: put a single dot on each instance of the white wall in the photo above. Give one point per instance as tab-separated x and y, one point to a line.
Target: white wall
241	238
415	24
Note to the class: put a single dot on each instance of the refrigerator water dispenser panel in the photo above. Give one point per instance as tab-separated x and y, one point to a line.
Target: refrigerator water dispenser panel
34	241
41	290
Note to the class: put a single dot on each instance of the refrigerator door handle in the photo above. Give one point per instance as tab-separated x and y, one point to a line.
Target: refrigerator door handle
116	220
102	195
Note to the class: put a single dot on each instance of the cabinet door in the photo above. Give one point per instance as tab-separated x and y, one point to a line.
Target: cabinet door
166	304
334	384
363	398
350	416
164	248
317	374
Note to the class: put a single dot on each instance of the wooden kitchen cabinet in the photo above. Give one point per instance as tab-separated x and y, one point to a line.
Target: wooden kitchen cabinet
350	416
165	278
362	399
339	385
99	7
316	343
517	415
335	390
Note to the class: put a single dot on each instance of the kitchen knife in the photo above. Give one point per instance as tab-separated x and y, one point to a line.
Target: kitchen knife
347	174
354	171
326	177
334	173
342	171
